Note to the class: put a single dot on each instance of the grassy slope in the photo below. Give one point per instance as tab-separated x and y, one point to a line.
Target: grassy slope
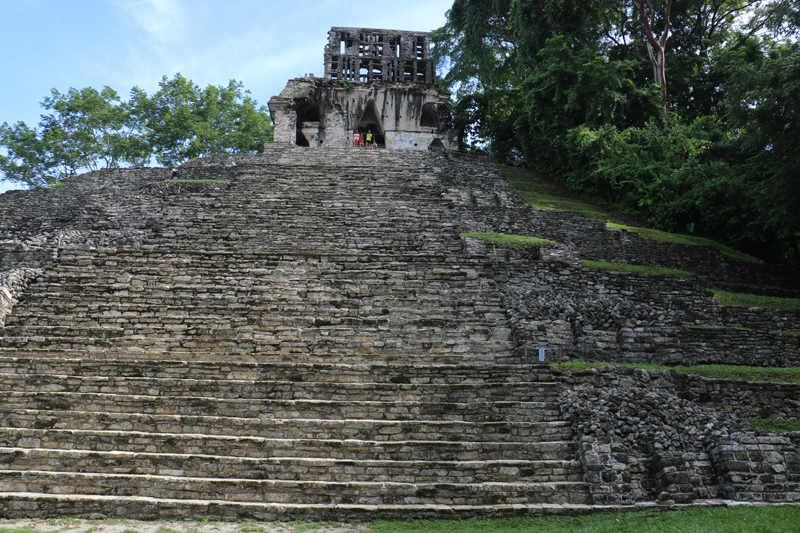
542	193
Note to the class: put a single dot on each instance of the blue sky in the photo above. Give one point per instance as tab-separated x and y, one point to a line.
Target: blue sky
47	44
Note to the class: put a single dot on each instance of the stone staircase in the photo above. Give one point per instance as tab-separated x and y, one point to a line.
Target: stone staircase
280	440
304	339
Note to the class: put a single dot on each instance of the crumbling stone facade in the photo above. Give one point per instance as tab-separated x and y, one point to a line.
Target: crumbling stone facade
381	81
641	439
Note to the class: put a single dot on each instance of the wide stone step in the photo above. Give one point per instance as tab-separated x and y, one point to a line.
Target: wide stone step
358	409
246	324
284	389
311	468
398	373
280	428
144	347
543	445
279	491
20	505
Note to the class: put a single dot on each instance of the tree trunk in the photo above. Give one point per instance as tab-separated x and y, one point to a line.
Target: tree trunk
656	48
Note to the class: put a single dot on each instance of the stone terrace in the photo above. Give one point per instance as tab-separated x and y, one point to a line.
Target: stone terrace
307	337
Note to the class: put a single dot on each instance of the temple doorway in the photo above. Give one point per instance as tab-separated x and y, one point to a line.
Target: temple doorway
369	121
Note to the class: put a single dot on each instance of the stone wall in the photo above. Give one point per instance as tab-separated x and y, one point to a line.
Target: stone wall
641	438
369	54
12	284
323	113
600	315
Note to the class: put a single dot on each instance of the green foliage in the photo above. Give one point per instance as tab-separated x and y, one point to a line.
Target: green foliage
567	89
739	519
658	235
86	129
763	110
754	300
541	193
679	177
774	424
183	121
519	242
740	373
639	269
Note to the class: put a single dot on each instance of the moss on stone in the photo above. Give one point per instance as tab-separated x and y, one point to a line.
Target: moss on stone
641	269
774	424
518	242
755	300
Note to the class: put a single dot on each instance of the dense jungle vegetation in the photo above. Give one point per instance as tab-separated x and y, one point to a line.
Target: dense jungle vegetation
683	112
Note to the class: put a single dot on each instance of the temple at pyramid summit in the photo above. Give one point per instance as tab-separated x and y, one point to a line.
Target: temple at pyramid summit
378	81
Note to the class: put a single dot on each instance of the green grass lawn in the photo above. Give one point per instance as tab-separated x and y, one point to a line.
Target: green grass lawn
738	519
542	194
519	242
743	519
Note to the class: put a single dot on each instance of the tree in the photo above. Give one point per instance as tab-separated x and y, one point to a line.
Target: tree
656	48
183	121
86	129
763	110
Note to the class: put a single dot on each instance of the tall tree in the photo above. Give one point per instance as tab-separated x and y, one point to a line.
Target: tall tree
656	47
86	129
183	121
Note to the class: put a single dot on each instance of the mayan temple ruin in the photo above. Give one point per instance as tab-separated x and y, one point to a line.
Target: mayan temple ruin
308	333
383	81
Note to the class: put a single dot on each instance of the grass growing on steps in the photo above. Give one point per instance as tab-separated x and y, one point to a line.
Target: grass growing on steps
741	519
624	267
542	195
539	193
658	235
741	373
519	242
754	300
774	424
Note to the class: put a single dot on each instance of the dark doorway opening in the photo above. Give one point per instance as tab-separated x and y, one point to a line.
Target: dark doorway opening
428	118
369	121
436	144
308	117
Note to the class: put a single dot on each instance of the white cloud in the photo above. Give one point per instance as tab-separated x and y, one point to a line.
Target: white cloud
162	19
